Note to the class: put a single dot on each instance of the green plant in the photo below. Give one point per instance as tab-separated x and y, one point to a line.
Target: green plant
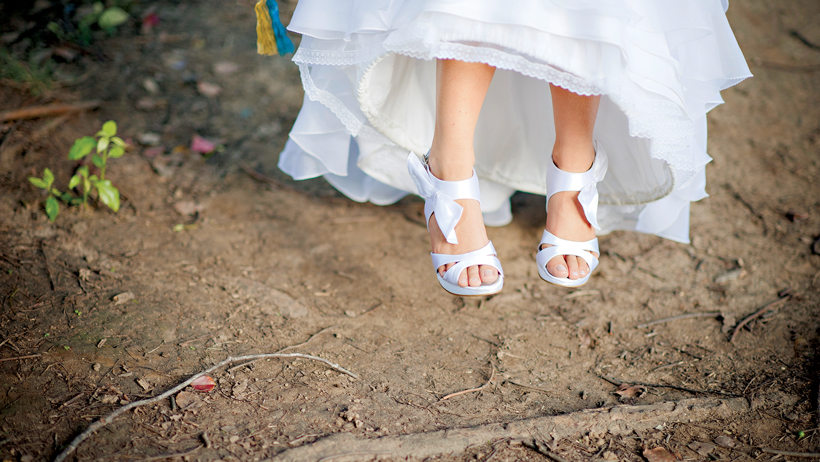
38	77
108	146
47	182
106	18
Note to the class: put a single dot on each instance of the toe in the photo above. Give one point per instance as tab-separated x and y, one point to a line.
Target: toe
557	267
572	265
488	274
583	268
474	277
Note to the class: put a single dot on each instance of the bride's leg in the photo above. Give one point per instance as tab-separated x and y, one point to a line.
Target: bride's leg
573	152
460	91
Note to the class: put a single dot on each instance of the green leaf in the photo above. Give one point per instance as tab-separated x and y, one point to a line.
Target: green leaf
98	7
110	128
48	177
109	195
116	152
83	171
52	208
93	179
66	197
74	182
75	201
112	17
102	144
118	141
38	182
81	148
97	161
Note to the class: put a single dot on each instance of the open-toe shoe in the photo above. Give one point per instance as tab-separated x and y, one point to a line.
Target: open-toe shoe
586	183
440	198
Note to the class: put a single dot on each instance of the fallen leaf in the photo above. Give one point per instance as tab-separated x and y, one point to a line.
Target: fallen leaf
702	448
144	384
124	297
109	399
85	274
185	399
725	441
188	207
208	89
203	383
729	322
201	145
628	392
659	455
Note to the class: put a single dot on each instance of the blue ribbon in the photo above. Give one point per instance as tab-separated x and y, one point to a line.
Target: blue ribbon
283	43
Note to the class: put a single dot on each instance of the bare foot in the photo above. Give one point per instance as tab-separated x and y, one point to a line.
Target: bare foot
471	236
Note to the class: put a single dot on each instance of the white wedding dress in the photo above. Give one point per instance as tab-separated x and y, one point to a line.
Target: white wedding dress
368	70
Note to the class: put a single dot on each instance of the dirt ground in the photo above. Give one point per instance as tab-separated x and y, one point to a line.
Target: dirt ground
226	256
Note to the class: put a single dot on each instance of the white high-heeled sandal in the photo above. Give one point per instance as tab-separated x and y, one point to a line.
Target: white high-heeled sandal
440	198
586	182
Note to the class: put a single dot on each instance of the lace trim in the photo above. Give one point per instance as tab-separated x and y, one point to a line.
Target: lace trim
336	58
352	124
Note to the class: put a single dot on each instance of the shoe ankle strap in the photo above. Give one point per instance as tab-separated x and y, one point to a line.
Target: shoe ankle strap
440	196
586	183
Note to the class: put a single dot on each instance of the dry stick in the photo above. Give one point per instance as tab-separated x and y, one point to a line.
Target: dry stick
812	455
48	266
770	306
34	112
711	314
452	395
20	357
231	359
542	448
617	382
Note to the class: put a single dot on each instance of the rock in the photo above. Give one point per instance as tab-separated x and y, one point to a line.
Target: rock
96	367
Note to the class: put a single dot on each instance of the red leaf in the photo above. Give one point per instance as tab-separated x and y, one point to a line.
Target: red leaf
201	145
203	383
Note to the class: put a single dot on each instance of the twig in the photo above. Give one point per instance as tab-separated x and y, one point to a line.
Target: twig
811	455
748	319
374	308
617	382
34	112
21	357
546	392
171	456
309	339
803	39
667	366
710	314
542	448
485	340
48	266
231	359
453	395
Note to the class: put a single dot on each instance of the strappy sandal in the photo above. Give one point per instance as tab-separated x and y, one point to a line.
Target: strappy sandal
558	181
440	198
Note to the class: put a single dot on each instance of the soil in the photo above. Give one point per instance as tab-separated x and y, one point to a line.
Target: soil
223	255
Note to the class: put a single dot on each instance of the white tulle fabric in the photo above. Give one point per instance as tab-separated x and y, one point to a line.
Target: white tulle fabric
368	70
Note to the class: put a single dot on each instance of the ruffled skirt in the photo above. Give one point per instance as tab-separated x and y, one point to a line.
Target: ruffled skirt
368	70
